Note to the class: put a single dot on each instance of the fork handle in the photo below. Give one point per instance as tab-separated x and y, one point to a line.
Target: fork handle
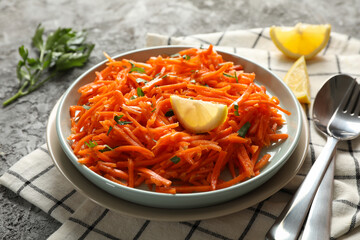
288	225
319	219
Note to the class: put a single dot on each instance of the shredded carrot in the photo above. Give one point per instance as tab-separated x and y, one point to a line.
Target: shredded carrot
124	129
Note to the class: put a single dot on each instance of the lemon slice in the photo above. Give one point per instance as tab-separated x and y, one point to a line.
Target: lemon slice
297	79
198	116
302	40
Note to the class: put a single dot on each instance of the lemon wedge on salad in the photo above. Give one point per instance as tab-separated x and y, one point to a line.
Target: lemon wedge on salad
297	79
196	115
301	40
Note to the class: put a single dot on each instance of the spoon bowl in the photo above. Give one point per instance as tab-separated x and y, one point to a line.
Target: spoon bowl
345	122
327	100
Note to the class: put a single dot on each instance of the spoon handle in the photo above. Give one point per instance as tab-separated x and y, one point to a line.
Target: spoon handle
319	219
288	225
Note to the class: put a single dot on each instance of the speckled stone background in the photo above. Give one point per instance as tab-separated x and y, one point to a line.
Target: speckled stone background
117	26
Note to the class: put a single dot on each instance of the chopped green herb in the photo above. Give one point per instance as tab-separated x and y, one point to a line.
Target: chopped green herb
153	110
228	75
164	76
132	97
156	85
108	132
243	130
91	144
140	92
157	75
137	69
175	55
175	159
140	80
62	50
132	65
186	57
206	85
86	107
117	120
124	122
236	107
106	149
169	113
154	140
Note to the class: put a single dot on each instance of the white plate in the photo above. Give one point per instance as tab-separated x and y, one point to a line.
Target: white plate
105	199
280	152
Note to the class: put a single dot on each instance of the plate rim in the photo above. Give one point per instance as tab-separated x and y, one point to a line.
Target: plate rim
107	200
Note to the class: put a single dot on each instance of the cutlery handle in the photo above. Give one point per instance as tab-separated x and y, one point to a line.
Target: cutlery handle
288	225
319	219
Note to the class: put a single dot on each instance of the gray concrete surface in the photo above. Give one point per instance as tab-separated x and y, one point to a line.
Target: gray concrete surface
117	26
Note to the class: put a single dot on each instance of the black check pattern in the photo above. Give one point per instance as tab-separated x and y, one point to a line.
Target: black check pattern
357	171
195	226
83	219
258	37
251	222
142	229
192	230
27	182
34	185
42	192
91	228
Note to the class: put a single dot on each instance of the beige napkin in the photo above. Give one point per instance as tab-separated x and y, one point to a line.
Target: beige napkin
34	176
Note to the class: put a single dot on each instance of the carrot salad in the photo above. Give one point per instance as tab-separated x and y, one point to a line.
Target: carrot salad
124	129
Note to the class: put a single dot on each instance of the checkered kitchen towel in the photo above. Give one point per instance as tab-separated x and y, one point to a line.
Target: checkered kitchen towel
32	175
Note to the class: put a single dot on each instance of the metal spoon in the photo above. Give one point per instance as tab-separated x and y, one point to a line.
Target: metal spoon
318	221
343	125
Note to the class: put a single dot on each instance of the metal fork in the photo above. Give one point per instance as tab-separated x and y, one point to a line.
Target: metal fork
344	125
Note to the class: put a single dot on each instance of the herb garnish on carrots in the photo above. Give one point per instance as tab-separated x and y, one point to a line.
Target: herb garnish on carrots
138	135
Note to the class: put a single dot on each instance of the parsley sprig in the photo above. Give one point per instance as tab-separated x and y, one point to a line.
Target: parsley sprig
244	129
106	148
91	144
169	113
121	122
175	159
230	76
236	107
61	50
118	122
140	92
136	69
